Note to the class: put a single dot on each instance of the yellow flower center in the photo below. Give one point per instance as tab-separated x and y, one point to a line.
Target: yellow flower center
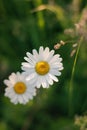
20	87
42	67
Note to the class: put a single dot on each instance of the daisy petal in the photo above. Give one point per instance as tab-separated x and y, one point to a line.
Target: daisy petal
7	82
14	100
40	50
27	65
55	72
53	77
33	75
55	58
50	81
35	54
50	55
44	83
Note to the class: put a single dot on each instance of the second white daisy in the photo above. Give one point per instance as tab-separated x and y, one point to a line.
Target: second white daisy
18	89
43	67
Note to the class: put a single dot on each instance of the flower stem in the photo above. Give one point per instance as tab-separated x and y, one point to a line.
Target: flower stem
71	81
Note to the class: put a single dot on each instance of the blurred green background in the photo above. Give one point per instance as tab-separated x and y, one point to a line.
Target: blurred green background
28	24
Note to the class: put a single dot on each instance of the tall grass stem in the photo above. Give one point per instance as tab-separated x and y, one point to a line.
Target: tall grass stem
71	87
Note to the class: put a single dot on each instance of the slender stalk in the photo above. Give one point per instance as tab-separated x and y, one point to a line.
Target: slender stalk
71	81
34	109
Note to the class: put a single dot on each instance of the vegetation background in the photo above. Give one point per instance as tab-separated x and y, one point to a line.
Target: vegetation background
28	24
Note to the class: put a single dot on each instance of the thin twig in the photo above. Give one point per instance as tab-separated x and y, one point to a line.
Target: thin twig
71	81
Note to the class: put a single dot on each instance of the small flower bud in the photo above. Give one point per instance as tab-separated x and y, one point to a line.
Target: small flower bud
57	46
73	52
62	42
74	45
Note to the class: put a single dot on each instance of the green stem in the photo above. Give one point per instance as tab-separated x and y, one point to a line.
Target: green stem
71	81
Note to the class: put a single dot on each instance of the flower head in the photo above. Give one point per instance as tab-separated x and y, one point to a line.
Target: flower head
43	67
19	90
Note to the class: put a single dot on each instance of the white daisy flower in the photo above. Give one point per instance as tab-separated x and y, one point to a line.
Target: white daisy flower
43	67
19	90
